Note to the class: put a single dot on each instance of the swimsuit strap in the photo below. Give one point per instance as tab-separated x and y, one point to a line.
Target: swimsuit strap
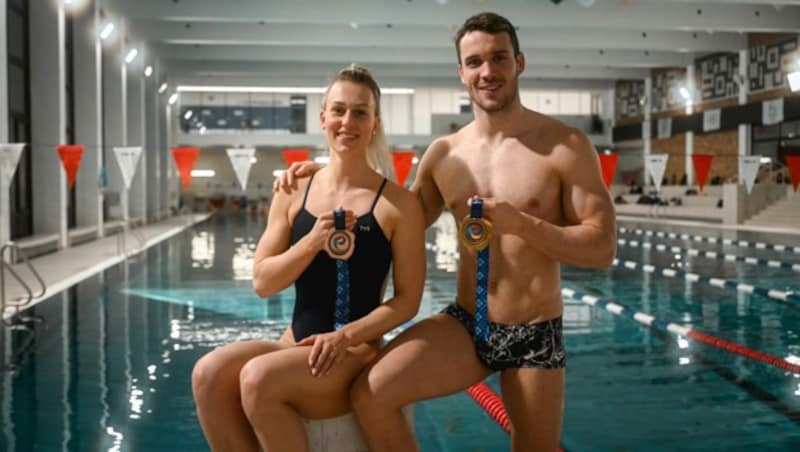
377	196
308	187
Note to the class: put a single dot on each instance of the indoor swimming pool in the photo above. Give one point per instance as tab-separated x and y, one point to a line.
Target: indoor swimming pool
108	366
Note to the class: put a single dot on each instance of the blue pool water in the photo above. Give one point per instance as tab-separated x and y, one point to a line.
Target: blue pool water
108	368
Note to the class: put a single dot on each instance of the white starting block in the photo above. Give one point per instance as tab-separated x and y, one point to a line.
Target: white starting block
341	434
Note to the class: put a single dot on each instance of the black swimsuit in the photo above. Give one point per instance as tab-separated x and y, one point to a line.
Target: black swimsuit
315	289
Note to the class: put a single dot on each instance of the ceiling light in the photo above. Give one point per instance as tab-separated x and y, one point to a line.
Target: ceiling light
162	88
108	28
173	98
684	92
188	114
203	173
322	160
132	53
148	71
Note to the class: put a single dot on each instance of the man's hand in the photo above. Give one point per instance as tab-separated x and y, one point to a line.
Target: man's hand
505	218
297	170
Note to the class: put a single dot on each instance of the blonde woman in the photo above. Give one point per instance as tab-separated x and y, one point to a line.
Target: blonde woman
254	395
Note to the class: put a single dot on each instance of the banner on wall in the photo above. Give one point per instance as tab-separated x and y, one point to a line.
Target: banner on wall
9	159
702	168
772	111
128	161
242	161
793	162
712	120
656	165
748	168
664	128
608	164
70	155
185	157
403	160
294	155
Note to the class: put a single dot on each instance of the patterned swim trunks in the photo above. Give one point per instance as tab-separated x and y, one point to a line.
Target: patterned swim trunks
514	346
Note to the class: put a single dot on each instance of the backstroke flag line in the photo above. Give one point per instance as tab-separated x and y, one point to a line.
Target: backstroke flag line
128	160
702	168
608	164
748	168
656	165
241	161
70	155
184	159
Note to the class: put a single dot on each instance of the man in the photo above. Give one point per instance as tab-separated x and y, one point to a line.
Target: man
540	185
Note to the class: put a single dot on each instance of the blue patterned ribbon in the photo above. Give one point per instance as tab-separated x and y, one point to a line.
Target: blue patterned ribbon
482	281
341	312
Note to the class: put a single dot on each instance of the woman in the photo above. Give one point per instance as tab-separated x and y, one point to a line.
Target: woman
255	394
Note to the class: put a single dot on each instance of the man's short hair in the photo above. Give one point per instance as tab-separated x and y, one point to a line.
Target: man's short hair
488	23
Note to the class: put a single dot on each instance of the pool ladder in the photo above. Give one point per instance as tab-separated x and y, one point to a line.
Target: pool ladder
16	320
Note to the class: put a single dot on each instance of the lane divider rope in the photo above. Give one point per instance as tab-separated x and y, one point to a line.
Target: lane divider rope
650	321
774	294
713	240
710	254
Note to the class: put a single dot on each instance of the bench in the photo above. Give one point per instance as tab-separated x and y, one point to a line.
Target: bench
341	434
81	235
111	227
36	245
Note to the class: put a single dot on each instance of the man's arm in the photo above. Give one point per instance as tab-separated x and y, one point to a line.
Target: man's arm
589	237
425	186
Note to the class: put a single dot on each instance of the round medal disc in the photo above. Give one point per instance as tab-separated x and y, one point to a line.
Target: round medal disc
475	233
340	244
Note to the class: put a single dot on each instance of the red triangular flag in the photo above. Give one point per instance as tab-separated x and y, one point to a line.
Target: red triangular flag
608	163
702	166
294	155
793	162
185	158
402	165
71	160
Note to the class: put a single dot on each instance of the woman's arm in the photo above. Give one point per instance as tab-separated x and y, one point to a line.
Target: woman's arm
276	265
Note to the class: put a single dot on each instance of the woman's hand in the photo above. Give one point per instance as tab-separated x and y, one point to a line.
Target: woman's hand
325	225
327	351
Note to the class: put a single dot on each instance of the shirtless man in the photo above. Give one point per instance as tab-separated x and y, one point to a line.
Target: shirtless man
542	191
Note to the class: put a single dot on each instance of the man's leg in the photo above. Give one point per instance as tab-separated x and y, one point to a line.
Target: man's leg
534	400
215	384
434	358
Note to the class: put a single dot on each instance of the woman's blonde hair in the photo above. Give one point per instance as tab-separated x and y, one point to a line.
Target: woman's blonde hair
378	156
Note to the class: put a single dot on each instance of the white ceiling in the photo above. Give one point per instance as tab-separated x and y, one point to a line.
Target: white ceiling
410	42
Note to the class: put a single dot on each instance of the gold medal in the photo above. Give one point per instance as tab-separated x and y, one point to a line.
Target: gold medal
475	233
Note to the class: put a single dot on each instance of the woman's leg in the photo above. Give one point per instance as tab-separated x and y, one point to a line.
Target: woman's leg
215	384
278	391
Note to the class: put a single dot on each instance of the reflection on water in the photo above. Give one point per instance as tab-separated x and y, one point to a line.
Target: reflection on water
203	250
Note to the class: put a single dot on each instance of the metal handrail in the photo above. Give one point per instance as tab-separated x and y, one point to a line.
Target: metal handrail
16	251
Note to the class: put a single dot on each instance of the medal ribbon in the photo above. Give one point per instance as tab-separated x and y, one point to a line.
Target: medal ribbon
341	312
482	281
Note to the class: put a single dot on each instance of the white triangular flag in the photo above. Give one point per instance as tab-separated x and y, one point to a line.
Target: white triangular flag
748	168
128	159
9	159
772	111
242	160
656	165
